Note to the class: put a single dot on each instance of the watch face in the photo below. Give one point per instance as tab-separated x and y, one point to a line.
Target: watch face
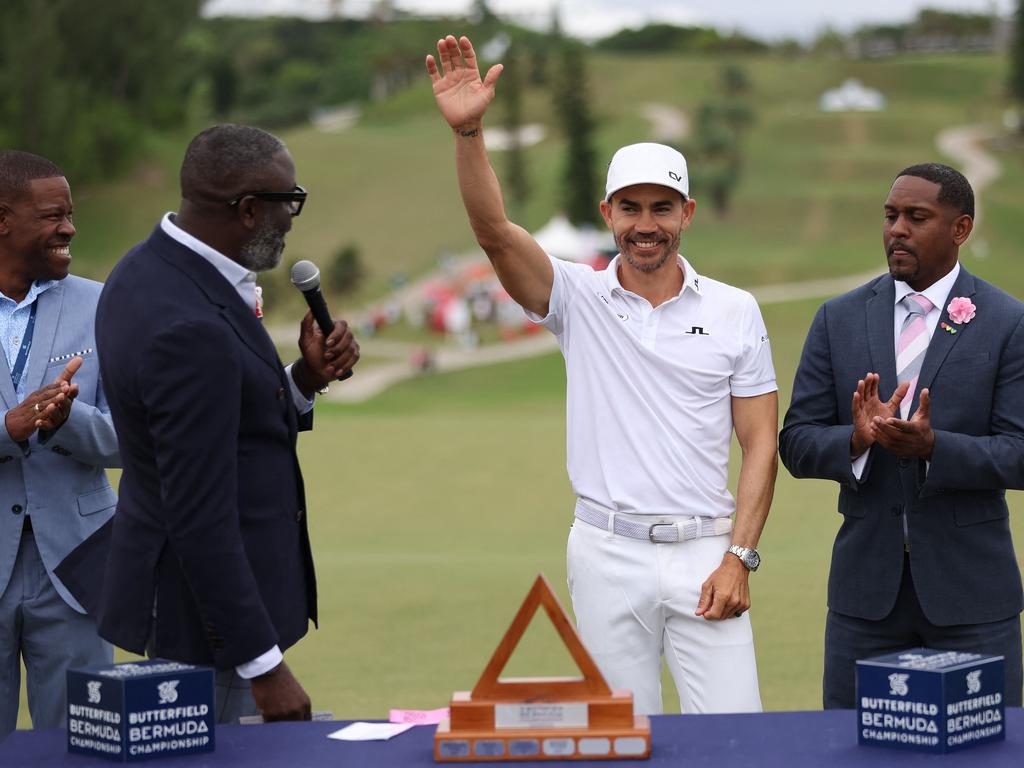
748	557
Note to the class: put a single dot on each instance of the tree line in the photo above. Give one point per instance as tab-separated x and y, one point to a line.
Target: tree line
85	83
88	83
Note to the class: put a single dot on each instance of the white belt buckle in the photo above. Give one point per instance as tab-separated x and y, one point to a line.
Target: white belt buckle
651	534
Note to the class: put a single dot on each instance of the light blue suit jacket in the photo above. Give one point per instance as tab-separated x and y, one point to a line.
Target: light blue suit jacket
59	477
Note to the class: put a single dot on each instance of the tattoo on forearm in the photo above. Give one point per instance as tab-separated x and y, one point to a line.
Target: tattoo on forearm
470	134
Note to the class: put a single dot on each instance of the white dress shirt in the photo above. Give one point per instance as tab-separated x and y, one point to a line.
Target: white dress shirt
14	317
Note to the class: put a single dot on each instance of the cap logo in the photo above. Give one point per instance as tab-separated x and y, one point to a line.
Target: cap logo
675	176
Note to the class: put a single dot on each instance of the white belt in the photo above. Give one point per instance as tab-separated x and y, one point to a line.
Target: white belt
665	529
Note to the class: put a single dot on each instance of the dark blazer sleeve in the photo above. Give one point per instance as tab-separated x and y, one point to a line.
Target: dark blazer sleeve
991	461
814	442
190	378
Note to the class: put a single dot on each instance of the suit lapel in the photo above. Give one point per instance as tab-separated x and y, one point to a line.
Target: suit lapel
881	340
942	341
221	293
251	331
7	392
48	308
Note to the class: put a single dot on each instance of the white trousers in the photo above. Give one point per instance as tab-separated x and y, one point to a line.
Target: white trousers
635	600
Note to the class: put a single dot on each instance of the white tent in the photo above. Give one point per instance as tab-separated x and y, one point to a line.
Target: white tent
564	241
851	96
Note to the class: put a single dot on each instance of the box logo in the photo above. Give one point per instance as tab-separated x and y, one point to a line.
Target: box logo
167	691
898	684
974	681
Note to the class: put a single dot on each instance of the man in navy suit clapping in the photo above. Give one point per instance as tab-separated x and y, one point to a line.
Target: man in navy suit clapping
908	395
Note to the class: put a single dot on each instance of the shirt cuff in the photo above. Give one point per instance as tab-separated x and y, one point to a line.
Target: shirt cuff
261	664
302	404
859	463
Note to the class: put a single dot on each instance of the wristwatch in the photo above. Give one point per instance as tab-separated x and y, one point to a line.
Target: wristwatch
748	556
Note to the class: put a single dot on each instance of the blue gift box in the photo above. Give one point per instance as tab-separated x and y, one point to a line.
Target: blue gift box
930	700
139	710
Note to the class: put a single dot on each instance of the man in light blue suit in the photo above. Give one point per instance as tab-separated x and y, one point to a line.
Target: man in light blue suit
910	395
56	438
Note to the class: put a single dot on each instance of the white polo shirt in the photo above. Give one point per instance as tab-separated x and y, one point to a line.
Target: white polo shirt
649	389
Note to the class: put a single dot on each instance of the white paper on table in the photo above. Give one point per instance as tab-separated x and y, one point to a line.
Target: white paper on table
369	731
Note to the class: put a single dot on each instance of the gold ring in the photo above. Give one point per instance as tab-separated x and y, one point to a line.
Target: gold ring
37	407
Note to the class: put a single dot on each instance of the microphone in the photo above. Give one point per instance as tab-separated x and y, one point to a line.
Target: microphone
306	277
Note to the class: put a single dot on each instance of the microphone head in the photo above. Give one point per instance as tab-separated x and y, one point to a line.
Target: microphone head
305	275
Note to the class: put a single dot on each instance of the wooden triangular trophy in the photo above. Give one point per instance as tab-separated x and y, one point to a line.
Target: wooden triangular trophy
542	718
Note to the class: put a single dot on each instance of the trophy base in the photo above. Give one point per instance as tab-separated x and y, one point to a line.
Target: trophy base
508	744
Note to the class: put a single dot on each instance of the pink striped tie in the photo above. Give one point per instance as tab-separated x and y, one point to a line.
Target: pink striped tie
912	346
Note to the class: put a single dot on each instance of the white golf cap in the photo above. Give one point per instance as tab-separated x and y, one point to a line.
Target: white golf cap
647	163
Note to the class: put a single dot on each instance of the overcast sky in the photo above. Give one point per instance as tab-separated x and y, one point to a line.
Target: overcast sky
769	19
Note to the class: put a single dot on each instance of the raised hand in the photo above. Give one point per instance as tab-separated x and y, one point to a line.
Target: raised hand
867	407
460	94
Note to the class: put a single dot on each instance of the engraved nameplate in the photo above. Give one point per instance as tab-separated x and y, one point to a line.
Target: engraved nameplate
567	715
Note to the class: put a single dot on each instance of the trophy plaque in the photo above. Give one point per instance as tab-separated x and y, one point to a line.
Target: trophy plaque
542	718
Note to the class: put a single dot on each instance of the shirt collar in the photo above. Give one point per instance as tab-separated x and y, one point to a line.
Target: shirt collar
231	270
936	293
38	287
691	279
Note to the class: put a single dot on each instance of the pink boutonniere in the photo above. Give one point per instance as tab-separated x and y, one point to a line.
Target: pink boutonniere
961	310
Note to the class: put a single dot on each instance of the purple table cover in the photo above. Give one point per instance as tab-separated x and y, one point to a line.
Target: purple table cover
782	739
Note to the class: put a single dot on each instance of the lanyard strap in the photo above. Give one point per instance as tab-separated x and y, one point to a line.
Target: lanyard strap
26	344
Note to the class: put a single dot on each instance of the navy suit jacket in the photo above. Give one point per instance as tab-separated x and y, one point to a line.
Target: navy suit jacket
210	524
961	554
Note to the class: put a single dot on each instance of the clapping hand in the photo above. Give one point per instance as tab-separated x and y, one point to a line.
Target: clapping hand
867	407
46	408
911	437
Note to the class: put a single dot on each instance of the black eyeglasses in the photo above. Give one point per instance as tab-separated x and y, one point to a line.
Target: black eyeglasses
296	198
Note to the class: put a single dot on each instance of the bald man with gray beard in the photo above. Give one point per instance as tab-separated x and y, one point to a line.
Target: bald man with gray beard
208	560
